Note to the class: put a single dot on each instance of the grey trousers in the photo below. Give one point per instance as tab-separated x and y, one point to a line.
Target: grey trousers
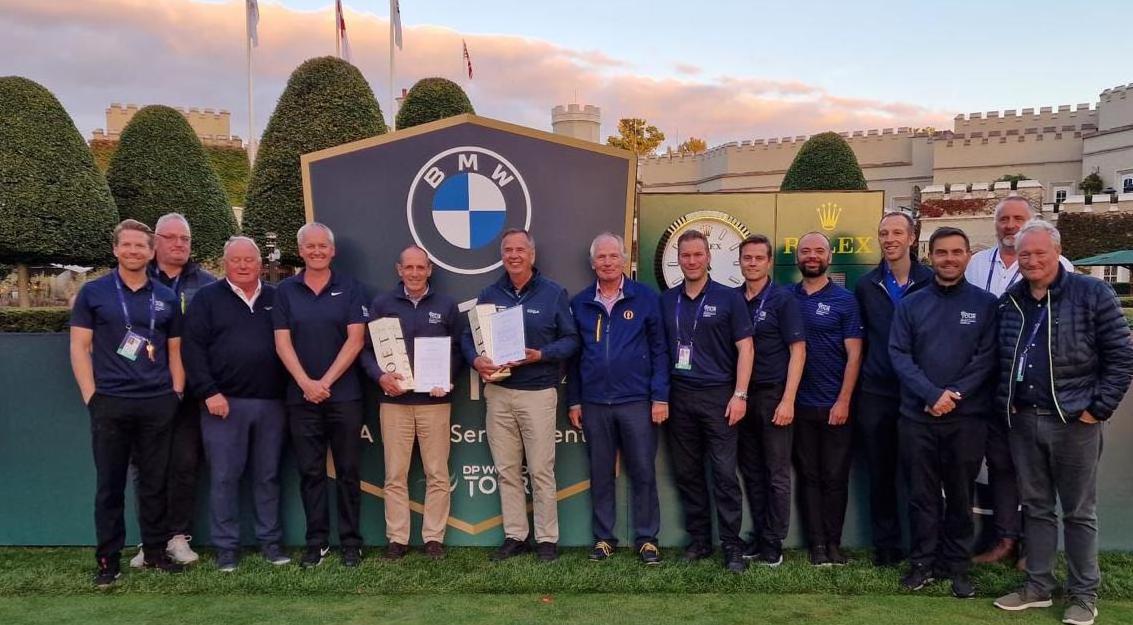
1058	462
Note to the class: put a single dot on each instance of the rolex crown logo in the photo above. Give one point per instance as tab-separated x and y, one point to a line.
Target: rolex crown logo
828	214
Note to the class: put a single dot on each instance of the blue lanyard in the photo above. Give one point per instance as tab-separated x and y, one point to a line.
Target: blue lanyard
762	300
696	318
126	311
1034	333
991	271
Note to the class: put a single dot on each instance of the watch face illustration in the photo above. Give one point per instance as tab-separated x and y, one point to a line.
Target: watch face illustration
725	234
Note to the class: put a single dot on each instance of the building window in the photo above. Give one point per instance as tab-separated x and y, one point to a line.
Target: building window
1060	196
1109	273
1127	184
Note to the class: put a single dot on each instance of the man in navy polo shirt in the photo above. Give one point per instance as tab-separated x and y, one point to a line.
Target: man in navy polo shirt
943	348
126	357
822	408
766	433
710	355
320	322
878	403
618	394
231	363
523	407
409	416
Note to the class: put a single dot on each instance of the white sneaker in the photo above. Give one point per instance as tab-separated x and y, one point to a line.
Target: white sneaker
179	551
139	560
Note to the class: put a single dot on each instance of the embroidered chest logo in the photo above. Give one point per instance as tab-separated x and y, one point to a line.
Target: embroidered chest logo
532	311
967	318
822	310
159	306
628	315
709	311
435	318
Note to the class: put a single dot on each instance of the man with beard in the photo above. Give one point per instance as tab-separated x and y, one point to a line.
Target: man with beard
942	346
993	270
822	408
878	403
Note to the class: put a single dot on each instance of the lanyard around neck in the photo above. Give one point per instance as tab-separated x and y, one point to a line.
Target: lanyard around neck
126	311
696	316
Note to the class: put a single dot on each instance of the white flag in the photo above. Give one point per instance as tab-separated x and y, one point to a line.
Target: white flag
253	22
395	18
342	30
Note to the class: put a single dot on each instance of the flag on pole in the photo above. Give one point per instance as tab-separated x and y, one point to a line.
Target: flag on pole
395	18
341	21
467	59
253	22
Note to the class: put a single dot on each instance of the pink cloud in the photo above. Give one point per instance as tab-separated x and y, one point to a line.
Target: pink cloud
94	52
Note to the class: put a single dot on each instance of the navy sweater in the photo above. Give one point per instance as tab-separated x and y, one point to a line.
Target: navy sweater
547	327
877	317
944	337
228	348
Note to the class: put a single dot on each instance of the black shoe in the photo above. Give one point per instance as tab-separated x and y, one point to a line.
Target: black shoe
919	576
161	562
888	556
109	570
395	551
314	557
770	556
434	550
752	549
734	560
835	555
649	553
962	587
274	554
510	548
547	551
697	551
818	556
602	551
351	557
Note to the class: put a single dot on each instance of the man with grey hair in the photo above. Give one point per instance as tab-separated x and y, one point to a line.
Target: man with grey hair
993	270
522	408
1066	362
230	360
618	393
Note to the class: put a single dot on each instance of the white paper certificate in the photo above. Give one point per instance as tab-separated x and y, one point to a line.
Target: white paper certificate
432	363
508	339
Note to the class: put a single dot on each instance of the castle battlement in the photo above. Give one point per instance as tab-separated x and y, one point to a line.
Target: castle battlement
1013	135
212	126
1117	93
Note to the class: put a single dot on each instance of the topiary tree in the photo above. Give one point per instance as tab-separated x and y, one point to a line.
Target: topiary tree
432	99
161	167
1092	184
54	203
824	163
327	102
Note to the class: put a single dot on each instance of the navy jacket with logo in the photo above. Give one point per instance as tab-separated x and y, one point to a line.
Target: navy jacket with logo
191	279
547	326
944	337
877	317
624	356
435	315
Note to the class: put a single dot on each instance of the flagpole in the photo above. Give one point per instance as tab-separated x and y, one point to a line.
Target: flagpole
392	100
338	29
251	115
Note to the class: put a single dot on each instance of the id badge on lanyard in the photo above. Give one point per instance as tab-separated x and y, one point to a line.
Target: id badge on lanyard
684	356
132	342
684	349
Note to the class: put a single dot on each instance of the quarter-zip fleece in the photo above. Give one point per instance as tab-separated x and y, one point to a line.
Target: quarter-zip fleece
876	310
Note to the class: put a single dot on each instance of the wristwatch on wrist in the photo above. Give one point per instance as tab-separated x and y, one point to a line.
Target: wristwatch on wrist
740	394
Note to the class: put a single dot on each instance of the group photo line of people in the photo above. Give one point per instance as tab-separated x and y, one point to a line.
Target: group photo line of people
926	368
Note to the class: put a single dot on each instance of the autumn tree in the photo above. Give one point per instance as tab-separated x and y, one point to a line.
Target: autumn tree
693	145
637	136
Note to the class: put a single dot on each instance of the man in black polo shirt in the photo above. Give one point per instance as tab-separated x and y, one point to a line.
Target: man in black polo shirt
126	356
765	435
710	352
942	346
231	363
408	416
320	322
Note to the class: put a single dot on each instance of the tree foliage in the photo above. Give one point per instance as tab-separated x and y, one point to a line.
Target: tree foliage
327	102
1013	178
692	145
55	205
824	163
229	163
432	99
161	167
637	136
1092	184
1089	234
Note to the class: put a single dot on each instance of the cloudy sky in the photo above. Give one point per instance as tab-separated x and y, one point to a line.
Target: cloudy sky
719	69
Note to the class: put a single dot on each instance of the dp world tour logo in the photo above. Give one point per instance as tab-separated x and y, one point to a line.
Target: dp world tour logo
459	204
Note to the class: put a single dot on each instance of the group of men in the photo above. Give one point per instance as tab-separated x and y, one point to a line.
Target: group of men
1006	354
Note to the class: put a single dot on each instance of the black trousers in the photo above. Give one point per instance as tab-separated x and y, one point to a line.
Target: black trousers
698	431
765	464
822	456
314	429
1002	481
184	467
121	429
876	426
941	456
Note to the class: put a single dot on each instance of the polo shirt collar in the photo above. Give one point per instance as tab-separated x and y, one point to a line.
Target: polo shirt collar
403	292
333	282
505	282
251	302
800	289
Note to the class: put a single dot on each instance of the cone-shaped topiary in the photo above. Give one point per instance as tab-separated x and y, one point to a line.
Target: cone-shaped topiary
432	99
824	163
54	203
327	102
161	167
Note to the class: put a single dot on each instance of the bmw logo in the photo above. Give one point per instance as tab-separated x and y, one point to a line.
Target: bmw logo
459	204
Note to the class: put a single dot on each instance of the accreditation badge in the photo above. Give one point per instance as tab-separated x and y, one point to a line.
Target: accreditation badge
684	356
131	344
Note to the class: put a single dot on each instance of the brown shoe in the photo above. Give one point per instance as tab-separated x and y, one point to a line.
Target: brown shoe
1021	564
1003	549
395	551
434	550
